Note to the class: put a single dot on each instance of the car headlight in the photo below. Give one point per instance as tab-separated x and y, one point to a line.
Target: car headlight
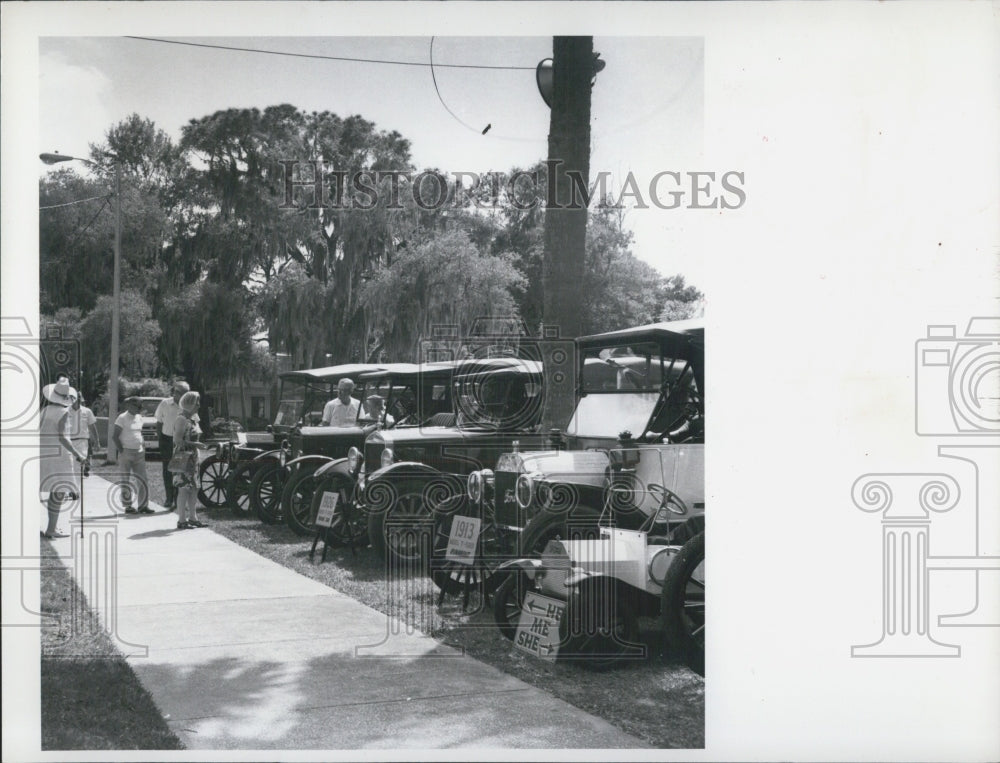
388	457
219	451
524	490
474	487
488	481
353	459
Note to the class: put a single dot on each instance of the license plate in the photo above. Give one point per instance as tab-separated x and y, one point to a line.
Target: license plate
538	627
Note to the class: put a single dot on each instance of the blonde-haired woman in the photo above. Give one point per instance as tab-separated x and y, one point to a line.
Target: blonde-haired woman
184	464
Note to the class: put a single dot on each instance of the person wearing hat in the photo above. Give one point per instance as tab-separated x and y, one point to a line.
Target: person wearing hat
166	415
377	412
186	433
58	468
132	455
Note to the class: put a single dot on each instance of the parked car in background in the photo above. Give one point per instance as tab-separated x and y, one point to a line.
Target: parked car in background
227	477
304	394
147	412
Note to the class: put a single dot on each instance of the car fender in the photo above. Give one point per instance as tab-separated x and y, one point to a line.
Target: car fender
528	566
311	459
268	454
402	469
335	466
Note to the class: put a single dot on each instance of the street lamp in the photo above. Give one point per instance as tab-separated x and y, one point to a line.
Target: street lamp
117	299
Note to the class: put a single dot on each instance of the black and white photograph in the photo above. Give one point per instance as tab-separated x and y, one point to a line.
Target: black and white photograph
357	381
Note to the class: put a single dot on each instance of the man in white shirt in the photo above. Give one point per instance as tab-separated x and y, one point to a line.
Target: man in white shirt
132	456
166	414
342	411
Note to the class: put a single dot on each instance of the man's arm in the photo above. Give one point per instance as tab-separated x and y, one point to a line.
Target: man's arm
117	437
327	415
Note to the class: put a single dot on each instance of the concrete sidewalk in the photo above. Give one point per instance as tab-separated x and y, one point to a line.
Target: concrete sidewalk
241	653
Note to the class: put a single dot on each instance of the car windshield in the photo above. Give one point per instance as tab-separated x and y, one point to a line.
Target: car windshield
498	400
149	407
622	386
300	400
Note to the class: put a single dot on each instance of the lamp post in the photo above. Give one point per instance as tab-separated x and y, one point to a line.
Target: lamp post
116	300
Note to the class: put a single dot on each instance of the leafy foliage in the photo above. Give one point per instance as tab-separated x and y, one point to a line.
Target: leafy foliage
445	280
217	245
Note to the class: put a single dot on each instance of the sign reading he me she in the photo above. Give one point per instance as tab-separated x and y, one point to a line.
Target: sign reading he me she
462	541
538	628
327	508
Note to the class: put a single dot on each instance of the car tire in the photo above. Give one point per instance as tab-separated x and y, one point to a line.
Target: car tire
507	601
581	522
682	604
598	645
265	492
455	578
349	527
238	490
296	500
401	533
212	482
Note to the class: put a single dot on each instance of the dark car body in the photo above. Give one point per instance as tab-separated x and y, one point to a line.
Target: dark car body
497	407
411	394
302	397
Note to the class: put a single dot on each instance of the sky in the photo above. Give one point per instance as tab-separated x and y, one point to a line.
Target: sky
647	106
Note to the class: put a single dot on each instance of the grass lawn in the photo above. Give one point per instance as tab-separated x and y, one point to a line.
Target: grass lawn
91	699
657	699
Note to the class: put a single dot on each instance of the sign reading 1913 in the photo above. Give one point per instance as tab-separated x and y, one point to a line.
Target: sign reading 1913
462	540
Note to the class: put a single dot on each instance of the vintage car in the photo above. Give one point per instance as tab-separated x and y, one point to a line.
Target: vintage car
631	460
331	459
224	478
303	394
497	405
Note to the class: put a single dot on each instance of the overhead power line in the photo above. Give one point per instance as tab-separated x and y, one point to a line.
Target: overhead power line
78	201
329	58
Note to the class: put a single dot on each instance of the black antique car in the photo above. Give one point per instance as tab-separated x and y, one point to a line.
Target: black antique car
408	395
224	478
303	396
497	404
626	477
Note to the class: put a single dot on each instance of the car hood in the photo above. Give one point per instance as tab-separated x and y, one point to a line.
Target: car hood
579	467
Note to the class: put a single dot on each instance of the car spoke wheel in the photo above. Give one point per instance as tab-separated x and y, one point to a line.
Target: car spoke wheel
238	489
401	533
508	600
683	603
296	500
212	478
265	493
456	578
349	526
